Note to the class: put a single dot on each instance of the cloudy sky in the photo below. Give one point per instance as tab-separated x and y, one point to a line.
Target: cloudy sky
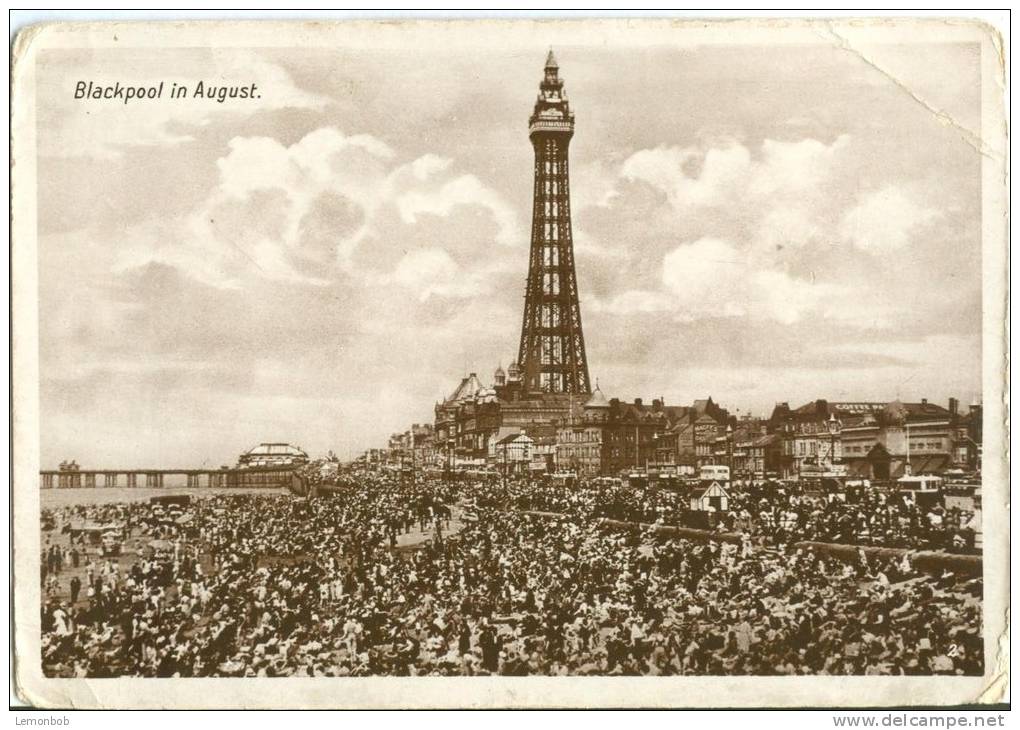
321	265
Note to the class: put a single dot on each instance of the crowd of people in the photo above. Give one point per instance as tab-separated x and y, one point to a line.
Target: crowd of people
282	585
774	512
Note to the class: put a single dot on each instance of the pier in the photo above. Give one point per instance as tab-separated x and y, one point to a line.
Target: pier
157	478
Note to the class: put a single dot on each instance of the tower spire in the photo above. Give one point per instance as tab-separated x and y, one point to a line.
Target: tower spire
551	352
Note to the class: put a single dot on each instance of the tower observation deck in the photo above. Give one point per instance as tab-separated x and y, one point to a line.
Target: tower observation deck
551	354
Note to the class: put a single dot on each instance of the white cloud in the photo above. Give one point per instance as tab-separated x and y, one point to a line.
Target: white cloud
255	163
428	165
179	245
700	271
693	177
787	168
759	229
722	170
324	159
432	271
885	219
593	184
711	277
232	235
274	263
781	195
789	225
255	222
463	190
786	299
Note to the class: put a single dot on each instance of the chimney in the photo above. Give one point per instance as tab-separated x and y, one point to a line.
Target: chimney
637	401
657	404
954	406
924	401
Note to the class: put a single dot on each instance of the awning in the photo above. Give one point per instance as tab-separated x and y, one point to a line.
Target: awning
860	469
927	464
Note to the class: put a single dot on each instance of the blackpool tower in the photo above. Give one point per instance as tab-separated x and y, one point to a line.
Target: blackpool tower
551	354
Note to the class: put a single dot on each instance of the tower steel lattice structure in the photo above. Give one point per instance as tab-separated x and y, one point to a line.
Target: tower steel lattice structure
551	354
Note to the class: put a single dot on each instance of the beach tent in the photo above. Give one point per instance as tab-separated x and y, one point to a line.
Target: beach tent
158	545
95	531
710	496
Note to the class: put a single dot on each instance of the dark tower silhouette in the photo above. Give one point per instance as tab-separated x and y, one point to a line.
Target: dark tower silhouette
551	354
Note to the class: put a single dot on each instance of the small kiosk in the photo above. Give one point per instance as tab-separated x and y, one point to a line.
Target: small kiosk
710	496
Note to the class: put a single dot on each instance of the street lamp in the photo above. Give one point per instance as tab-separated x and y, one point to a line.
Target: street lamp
729	446
833	426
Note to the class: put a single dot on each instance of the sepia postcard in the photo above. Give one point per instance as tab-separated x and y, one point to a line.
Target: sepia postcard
516	363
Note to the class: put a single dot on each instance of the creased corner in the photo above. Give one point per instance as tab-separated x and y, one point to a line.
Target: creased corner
973	139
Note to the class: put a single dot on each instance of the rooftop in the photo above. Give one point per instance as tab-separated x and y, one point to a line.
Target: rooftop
467	388
275	449
598	399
